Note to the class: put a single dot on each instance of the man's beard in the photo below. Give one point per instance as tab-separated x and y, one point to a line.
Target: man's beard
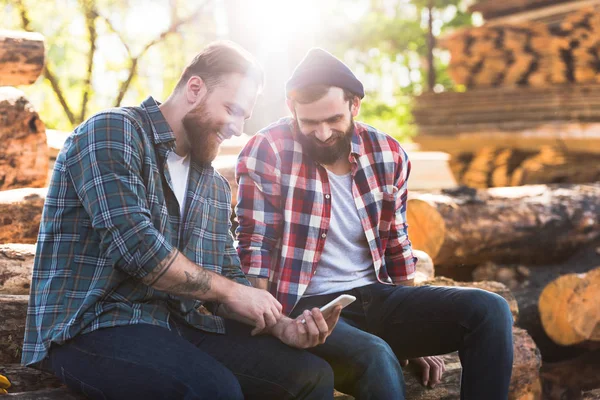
328	155
201	133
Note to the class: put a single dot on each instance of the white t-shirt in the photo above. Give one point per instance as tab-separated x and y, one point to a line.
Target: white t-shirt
179	168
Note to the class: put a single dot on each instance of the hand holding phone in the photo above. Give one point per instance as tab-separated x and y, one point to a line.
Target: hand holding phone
342	300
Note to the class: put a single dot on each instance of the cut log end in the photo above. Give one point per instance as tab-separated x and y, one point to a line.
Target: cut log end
570	308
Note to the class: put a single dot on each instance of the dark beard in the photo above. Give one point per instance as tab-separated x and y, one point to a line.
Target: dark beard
330	154
200	132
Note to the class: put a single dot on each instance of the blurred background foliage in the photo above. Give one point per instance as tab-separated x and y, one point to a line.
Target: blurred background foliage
107	53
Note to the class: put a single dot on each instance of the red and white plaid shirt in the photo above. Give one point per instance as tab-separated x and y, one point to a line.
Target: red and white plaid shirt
284	208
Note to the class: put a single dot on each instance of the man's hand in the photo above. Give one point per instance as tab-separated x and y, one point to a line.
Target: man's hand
432	369
256	306
4	384
314	332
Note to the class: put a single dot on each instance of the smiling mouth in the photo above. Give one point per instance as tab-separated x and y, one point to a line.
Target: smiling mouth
221	137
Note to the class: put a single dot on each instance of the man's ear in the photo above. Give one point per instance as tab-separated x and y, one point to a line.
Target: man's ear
290	105
195	89
355	107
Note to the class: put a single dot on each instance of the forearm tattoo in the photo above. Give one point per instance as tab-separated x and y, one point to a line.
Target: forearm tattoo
162	268
195	281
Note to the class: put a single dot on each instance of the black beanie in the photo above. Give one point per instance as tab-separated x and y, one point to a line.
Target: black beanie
321	68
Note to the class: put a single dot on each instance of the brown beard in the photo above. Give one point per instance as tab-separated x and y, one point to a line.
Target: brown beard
201	132
330	154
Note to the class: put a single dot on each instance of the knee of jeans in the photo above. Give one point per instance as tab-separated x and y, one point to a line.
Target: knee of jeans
489	307
376	354
321	373
227	390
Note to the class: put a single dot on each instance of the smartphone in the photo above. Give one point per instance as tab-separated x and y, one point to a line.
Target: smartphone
342	300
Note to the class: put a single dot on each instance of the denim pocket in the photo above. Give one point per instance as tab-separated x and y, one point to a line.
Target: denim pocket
81	387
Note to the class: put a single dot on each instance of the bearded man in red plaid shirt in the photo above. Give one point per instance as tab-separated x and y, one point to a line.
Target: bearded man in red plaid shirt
322	212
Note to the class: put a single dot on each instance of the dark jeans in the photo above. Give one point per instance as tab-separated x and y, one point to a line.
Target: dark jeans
390	323
149	362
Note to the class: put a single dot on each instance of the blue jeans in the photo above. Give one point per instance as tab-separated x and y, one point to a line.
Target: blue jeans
390	323
150	362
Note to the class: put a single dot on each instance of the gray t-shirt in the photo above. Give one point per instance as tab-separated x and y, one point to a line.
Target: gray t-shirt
346	260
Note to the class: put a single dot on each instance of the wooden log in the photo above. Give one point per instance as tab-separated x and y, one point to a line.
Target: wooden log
570	308
20	214
591	395
16	266
13	309
24	152
425	267
528	294
21	57
525	225
567	379
490	286
24	379
46	394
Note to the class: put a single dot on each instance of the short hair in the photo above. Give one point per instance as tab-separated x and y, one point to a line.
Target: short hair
222	58
312	93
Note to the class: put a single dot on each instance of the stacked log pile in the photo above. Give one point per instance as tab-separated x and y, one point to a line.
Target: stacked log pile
528	54
532	96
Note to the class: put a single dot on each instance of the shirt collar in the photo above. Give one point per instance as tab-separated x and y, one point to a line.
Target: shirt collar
161	131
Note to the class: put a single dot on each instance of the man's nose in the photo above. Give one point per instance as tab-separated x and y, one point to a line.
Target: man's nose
323	132
236	128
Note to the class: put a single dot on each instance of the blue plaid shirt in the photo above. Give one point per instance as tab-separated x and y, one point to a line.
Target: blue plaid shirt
111	217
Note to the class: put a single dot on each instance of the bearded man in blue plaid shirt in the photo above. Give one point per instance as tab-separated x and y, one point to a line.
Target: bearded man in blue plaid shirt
322	212
135	240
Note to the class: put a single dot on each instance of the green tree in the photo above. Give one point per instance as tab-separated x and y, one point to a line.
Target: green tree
103	53
394	44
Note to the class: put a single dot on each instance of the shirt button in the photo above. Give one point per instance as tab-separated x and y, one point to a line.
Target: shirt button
324	235
327	196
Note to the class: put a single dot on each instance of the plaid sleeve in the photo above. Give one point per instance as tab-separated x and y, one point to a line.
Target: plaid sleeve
258	207
104	163
400	260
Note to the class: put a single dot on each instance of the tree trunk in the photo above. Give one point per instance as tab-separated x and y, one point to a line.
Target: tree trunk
494	287
20	214
570	308
527	225
24	153
16	266
567	379
21	57
13	309
24	379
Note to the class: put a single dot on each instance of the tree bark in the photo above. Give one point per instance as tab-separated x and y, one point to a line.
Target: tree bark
25	379
570	308
24	152
13	311
16	266
567	379
20	214
21	57
46	394
527	225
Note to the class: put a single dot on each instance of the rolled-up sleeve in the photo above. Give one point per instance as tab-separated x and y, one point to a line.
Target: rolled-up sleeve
400	259
104	162
258	208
